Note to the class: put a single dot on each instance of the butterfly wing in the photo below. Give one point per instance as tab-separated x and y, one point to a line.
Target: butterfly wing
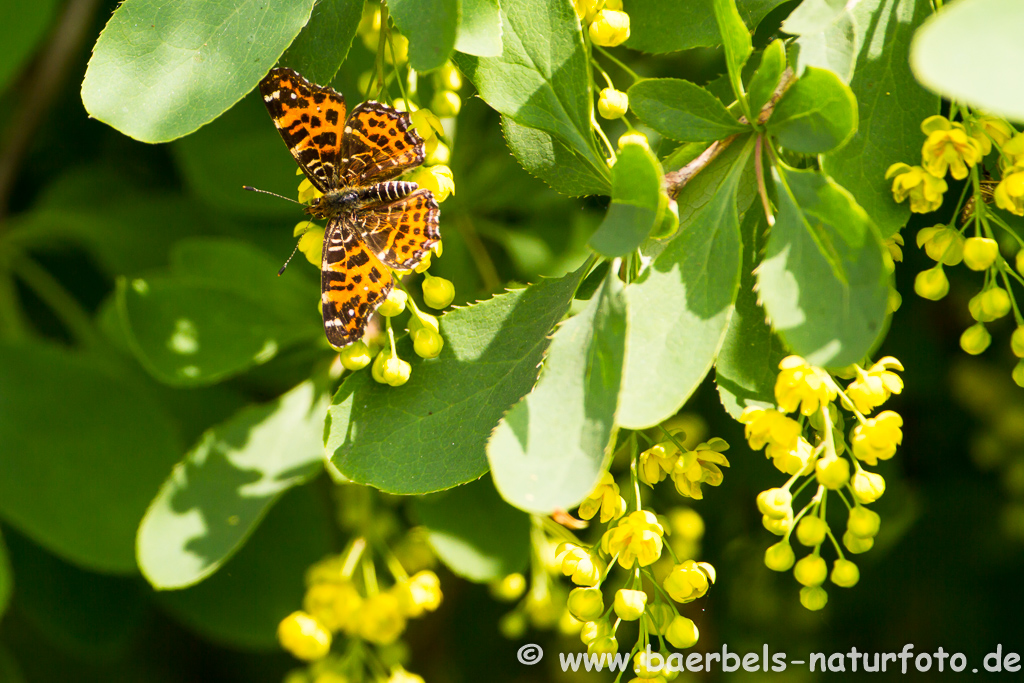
310	118
379	144
400	233
353	282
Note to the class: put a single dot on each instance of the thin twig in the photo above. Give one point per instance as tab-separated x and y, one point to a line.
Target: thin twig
676	180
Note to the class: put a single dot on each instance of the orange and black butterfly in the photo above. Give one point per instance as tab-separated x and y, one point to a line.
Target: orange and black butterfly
373	222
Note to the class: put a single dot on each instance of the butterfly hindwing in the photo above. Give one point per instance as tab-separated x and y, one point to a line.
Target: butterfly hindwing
353	282
311	119
400	233
379	144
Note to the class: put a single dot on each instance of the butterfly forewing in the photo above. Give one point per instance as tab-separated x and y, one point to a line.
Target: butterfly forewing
401	233
353	282
311	119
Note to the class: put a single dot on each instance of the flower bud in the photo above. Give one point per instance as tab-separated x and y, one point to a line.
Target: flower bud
605	645
446	103
427	343
513	625
1017	342
439	154
1020	261
629	604
775	503
586	604
1018	374
658	617
609	28
813	598
942	244
779	557
845	574
377	368
931	284
811	530
355	356
612	103
438	293
394	304
811	570
833	473
508	588
304	636
867	486
682	633
592	630
633	139
975	339
863	522
980	252
856	544
396	371
995	302
448	77
779	527
401	54
643	668
420	319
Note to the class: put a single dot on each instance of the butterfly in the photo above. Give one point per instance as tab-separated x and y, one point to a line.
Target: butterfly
373	221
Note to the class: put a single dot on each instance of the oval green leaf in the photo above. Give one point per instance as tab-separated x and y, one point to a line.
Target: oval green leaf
430	26
479	28
817	114
545	157
161	70
320	49
636	189
656	26
682	110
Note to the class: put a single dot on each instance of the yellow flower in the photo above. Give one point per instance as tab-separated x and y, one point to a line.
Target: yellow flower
1009	193
630	604
802	385
924	189
311	241
400	675
931	284
769	427
381	620
873	387
986	129
333	603
1013	151
942	244
948	147
797	458
893	244
583	568
610	28
586	9
657	462
877	438
689	580
421	593
438	179
307	192
605	497
438	292
612	104
636	539
304	636
980	252
426	124
700	466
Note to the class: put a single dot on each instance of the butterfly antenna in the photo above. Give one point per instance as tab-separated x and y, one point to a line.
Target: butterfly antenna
272	194
308	224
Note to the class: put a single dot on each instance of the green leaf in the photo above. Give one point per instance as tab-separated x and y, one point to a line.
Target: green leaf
736	41
748	363
321	48
657	26
542	78
550	449
22	26
240	148
217	495
818	113
160	71
682	110
813	16
430	26
84	452
971	51
6	578
633	212
461	527
241	605
769	72
833	48
479	28
823	281
679	308
891	107
430	434
547	158
220	310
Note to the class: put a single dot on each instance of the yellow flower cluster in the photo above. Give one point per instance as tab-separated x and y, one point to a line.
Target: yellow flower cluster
608	24
687	468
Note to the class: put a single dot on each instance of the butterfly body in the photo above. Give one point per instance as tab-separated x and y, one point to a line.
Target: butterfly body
374	222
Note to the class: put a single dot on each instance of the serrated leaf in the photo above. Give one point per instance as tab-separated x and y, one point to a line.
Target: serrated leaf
891	106
219	493
679	308
657	26
460	528
736	42
241	605
430	26
816	114
70	478
984	69
767	76
542	78
633	212
321	47
219	310
479	28
748	362
682	110
550	449
545	157
160	71
22	26
823	281
833	48
430	434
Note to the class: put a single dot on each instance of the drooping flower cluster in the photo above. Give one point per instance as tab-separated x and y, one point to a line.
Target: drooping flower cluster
815	449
